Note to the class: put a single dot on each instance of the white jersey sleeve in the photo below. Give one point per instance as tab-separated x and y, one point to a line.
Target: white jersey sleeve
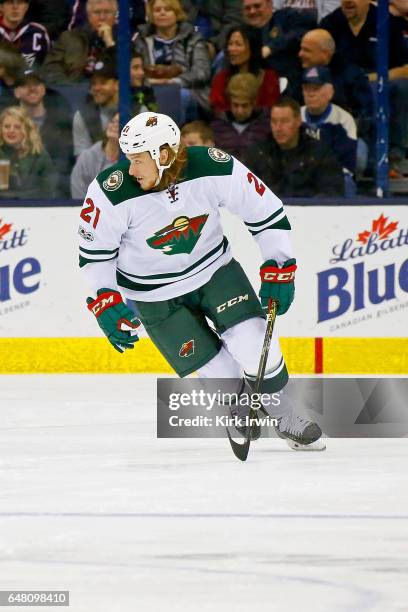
100	232
261	211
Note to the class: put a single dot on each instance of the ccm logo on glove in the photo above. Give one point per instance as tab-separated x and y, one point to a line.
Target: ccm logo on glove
278	284
104	301
272	274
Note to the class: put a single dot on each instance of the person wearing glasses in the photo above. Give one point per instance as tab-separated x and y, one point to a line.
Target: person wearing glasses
76	52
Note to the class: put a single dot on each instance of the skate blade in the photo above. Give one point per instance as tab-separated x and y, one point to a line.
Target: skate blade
318	445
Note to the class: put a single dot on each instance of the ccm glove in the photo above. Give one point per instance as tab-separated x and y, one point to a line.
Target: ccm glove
115	319
278	284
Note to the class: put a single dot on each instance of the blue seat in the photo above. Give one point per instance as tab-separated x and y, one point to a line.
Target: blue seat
169	101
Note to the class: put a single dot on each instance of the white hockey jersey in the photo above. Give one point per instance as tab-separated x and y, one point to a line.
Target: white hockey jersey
156	245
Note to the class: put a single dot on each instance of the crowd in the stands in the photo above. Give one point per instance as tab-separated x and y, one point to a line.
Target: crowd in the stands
289	87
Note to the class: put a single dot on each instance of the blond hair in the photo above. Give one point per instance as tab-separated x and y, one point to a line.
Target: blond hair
174	173
175	6
32	143
243	85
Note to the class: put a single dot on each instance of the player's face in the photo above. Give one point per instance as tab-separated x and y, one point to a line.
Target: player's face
257	12
238	49
317	97
12	131
143	168
136	72
31	93
101	12
104	91
163	15
285	126
14	11
241	108
311	53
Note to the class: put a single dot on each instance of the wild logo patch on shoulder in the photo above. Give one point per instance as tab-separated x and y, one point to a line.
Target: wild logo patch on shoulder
114	181
218	155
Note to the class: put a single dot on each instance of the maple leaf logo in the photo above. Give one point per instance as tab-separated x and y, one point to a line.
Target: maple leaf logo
4	229
380	227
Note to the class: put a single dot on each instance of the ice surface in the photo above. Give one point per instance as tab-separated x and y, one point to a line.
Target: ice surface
92	502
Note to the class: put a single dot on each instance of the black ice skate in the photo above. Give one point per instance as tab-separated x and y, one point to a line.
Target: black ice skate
300	431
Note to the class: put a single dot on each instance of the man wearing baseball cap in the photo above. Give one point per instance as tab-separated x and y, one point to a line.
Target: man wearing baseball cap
91	120
53	116
327	122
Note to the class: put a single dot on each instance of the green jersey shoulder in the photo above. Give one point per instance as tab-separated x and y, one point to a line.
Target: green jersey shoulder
207	161
117	184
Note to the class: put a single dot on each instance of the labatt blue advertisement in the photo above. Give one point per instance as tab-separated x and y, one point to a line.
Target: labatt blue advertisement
365	283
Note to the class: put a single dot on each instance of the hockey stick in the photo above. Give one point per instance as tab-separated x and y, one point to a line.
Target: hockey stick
241	450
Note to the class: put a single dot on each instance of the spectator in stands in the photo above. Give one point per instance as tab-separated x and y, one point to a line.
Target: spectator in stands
280	32
142	93
77	13
353	27
174	54
197	133
291	163
52	14
327	122
92	161
317	8
214	18
30	38
12	67
243	53
76	52
91	120
53	117
399	10
245	124
32	173
351	87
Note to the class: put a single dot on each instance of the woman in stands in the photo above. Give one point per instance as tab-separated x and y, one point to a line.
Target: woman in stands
175	54
31	172
243	52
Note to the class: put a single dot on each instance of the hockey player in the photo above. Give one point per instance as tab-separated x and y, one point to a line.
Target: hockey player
150	230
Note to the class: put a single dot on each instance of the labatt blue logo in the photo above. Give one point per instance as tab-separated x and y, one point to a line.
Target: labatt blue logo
341	289
23	277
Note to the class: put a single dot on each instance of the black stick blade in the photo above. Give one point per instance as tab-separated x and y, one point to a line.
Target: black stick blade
240	450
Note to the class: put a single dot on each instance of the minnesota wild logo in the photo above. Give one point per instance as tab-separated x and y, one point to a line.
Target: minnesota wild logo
180	236
187	348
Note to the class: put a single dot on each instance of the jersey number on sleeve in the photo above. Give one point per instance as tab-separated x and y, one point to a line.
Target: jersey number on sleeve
259	187
87	211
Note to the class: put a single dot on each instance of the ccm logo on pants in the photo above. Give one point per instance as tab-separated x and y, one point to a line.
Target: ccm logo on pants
232	302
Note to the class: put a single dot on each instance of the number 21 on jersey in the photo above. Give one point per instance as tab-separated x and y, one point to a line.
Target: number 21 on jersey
87	213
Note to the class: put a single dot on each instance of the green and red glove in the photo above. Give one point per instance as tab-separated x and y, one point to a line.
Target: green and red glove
278	284
115	319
